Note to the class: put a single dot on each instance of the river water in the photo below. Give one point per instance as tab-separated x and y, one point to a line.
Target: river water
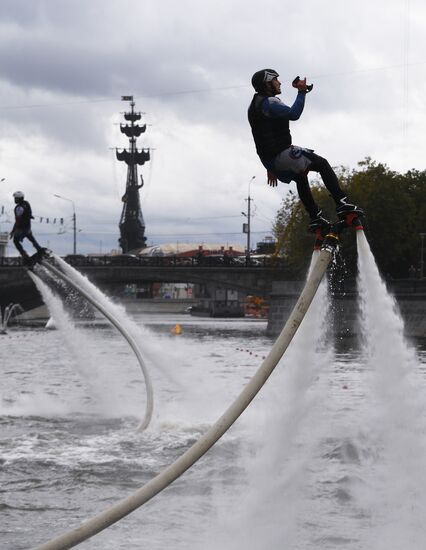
330	454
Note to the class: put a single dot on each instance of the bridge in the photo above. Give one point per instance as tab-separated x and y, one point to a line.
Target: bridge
248	276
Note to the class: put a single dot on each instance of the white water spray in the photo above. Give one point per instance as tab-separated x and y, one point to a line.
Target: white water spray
76	342
157	352
396	481
150	350
170	361
7	315
268	515
106	311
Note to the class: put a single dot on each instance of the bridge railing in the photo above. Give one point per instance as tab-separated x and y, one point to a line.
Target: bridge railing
410	285
127	260
10	262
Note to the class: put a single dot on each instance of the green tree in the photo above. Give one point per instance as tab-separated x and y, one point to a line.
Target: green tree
395	206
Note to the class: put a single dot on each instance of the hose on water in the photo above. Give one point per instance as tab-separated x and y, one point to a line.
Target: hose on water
103	520
148	384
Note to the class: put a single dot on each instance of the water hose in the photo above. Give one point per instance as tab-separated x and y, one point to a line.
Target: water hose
7	315
103	520
132	342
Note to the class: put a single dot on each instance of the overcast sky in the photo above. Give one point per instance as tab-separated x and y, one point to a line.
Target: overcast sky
64	65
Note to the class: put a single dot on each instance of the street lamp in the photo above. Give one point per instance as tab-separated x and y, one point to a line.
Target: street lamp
246	226
74	220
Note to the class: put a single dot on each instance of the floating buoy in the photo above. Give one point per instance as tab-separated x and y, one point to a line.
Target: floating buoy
251	353
177	329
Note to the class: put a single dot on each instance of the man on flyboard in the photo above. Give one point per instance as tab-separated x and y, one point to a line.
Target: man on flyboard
22	228
269	119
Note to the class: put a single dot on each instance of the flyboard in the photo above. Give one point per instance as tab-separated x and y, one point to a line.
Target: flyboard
45	258
329	244
31	261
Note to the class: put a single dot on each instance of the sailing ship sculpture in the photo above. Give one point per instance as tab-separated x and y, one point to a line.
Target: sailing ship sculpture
132	225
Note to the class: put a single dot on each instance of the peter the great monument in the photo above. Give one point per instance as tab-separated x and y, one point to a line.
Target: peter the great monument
132	225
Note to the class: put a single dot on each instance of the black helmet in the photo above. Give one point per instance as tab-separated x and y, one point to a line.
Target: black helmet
262	77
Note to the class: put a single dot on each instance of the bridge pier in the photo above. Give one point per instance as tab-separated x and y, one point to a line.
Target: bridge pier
410	296
215	300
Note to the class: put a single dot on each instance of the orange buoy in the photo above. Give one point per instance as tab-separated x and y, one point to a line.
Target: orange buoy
177	329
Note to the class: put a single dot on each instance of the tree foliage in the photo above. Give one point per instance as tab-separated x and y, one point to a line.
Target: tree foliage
395	207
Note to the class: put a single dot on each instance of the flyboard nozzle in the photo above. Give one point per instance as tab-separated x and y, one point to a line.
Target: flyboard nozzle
331	241
319	237
358	225
320	233
353	219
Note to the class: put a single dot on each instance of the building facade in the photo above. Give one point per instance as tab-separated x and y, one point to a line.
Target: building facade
3	244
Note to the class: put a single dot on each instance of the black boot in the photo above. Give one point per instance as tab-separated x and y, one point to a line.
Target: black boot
42	252
318	222
345	207
26	259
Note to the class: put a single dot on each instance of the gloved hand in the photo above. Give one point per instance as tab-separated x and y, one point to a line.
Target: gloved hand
272	179
301	85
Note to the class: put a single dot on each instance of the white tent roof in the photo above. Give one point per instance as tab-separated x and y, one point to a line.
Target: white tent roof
180	248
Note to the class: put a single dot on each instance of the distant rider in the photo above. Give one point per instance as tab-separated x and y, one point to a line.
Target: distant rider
22	226
269	119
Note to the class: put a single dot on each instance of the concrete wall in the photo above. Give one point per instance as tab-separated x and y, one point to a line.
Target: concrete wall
156	305
343	321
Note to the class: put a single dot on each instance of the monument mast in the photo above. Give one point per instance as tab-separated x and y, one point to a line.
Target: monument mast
132	225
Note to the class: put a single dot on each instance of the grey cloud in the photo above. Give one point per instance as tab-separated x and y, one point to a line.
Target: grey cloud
67	54
177	56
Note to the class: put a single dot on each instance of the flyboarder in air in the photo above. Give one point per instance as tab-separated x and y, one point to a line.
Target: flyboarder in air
269	119
22	227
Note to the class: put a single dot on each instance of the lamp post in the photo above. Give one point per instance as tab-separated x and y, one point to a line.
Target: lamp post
422	236
246	226
74	221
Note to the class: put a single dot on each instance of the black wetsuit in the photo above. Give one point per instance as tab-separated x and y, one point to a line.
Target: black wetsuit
22	227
